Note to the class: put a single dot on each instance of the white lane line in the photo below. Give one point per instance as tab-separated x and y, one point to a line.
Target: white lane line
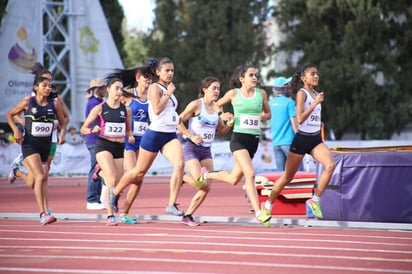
254	238
191	251
273	231
63	270
113	240
209	262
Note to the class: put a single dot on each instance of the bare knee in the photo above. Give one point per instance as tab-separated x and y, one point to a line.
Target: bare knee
330	167
205	189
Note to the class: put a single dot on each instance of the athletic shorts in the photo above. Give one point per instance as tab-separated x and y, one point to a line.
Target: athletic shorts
53	149
37	147
246	141
115	148
304	142
153	141
192	151
135	146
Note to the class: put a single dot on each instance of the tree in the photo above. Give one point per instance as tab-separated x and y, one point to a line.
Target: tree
208	38
136	52
114	14
362	50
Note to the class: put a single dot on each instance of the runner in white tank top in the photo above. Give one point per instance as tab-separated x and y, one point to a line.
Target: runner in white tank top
307	140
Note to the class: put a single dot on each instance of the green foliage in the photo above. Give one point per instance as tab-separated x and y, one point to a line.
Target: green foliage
3	5
113	12
362	50
135	49
208	38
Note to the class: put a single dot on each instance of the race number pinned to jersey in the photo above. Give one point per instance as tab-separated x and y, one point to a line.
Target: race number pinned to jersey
41	129
139	128
207	134
115	129
249	122
171	118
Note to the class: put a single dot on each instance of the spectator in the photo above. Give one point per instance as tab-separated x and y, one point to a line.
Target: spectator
4	141
95	94
73	137
283	123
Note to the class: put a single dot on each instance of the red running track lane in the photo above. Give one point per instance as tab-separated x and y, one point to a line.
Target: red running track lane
88	246
169	247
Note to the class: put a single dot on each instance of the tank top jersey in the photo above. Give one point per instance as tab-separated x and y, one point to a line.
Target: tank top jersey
140	117
39	120
113	121
247	111
312	123
168	119
55	123
204	125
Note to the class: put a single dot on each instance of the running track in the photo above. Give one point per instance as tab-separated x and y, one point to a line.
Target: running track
229	240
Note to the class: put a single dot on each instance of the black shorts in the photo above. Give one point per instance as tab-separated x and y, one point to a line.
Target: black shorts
246	141
304	142
115	148
33	146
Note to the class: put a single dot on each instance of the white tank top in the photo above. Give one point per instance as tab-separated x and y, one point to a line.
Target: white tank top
168	119
312	123
204	125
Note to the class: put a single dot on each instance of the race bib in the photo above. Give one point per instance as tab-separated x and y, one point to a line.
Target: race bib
115	129
171	118
314	120
249	122
207	134
41	129
139	128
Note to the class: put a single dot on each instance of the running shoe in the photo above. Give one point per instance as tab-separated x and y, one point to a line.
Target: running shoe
315	207
189	220
111	221
46	219
15	165
201	180
96	177
95	206
174	210
264	216
125	218
114	199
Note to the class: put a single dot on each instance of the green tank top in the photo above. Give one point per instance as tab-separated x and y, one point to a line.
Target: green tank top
247	111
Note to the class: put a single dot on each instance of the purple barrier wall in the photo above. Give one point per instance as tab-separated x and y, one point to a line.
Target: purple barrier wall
369	186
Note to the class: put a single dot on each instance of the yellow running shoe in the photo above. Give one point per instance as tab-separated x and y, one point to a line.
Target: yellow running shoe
315	207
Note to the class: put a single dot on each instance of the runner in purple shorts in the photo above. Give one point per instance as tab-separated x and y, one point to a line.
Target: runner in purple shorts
203	122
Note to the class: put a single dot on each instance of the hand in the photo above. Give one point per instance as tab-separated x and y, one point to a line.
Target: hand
320	97
131	139
18	137
196	139
61	140
171	88
95	129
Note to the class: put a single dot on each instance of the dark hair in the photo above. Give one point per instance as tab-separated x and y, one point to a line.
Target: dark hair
127	94
38	80
110	81
37	69
157	64
239	72
206	82
296	82
128	76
